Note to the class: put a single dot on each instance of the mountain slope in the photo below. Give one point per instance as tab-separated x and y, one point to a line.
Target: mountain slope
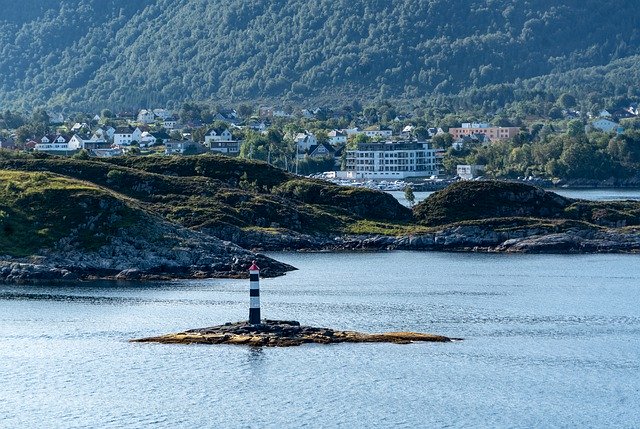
94	53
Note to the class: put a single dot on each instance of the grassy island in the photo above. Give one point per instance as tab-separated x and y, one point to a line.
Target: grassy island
165	217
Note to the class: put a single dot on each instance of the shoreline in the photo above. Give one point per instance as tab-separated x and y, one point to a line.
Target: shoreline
456	239
285	333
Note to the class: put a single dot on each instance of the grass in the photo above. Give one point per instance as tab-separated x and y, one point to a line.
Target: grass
202	192
39	209
366	227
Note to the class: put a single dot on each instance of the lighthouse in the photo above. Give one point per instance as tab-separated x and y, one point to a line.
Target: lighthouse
254	294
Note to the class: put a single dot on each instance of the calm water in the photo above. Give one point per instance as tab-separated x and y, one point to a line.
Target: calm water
606	194
550	341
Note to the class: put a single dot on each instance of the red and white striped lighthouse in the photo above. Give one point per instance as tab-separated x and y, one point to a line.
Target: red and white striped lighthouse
254	294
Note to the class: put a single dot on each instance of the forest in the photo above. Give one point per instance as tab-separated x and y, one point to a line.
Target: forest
458	54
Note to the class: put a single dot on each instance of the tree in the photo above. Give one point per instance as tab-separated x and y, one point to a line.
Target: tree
40	117
421	133
442	141
245	110
575	127
567	101
82	154
409	195
555	113
322	137
106	114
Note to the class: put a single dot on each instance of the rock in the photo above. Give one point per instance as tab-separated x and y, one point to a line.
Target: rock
284	333
18	272
130	274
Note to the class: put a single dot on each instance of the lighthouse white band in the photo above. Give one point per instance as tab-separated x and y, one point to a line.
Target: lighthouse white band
254	285
254	302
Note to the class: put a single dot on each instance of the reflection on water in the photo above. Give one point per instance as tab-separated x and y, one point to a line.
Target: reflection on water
550	340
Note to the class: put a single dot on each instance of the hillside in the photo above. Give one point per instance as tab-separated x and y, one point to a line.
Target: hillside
91	54
230	198
504	202
56	228
167	215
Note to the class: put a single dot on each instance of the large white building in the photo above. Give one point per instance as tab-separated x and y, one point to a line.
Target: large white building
392	160
57	144
126	135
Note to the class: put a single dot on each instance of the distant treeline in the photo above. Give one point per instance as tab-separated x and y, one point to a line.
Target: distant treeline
460	54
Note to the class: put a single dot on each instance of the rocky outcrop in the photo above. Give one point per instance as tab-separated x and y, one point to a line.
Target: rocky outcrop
166	252
17	272
471	200
487	238
575	242
279	333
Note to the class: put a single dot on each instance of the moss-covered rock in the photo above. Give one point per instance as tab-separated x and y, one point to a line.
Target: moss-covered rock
361	202
214	193
52	226
471	200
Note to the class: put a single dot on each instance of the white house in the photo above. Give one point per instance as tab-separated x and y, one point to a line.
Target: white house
605	125
77	142
124	136
392	160
407	131
162	113
469	172
146	116
105	134
378	131
219	134
351	131
77	127
169	123
149	139
337	137
57	143
304	141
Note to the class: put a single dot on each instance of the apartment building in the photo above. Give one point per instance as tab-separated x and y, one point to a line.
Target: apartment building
392	160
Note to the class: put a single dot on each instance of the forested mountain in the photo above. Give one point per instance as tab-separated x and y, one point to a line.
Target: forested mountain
115	53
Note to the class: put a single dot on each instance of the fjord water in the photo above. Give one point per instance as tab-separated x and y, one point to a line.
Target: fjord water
549	341
598	194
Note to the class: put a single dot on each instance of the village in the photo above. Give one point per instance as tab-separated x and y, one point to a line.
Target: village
370	150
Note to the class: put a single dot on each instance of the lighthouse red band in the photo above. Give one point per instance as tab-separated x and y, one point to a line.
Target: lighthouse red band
254	294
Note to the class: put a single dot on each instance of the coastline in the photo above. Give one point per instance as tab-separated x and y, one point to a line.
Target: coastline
456	238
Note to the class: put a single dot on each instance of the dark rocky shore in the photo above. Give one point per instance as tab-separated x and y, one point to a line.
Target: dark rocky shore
463	238
180	253
279	333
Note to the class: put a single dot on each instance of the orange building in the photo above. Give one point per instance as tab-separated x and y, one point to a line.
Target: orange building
493	133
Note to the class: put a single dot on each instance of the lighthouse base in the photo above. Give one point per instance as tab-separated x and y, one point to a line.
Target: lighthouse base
283	333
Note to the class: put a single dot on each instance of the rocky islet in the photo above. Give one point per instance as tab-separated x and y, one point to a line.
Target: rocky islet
281	333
